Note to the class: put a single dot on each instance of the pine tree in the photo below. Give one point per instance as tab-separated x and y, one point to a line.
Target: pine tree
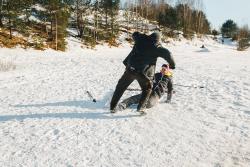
1	13
58	14
11	9
171	18
81	9
105	5
243	38
229	29
110	9
215	33
26	6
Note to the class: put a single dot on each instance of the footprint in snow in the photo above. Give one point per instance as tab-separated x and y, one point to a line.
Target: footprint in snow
56	132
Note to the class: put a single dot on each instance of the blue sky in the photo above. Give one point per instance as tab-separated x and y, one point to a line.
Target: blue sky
218	11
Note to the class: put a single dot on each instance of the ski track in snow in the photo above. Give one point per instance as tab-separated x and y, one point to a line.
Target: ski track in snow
47	119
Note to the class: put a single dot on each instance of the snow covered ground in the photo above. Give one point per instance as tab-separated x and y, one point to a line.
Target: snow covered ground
47	119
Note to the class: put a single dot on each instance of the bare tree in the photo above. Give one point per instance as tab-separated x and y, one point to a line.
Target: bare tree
127	15
81	10
1	15
199	15
243	38
187	14
96	19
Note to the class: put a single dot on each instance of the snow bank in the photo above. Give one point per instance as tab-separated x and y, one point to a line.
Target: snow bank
47	119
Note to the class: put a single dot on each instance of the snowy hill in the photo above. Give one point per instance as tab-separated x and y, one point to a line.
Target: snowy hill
47	119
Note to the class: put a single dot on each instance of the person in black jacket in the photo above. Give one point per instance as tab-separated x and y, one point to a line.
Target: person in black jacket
162	84
140	65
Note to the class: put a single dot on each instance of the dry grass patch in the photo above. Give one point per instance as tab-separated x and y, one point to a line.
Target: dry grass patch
6	41
38	40
7	65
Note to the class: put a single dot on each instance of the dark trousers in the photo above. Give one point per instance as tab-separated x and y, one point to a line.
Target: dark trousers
152	101
127	78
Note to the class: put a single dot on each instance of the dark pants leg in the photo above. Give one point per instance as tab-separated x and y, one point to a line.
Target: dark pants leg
153	100
126	79
146	86
129	101
170	90
170	85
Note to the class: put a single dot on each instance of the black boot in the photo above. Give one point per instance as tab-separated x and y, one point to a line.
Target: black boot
113	111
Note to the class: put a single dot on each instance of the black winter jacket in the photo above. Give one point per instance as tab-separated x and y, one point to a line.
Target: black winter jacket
162	84
145	52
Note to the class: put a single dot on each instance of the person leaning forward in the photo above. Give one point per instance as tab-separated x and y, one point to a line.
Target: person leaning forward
163	83
140	65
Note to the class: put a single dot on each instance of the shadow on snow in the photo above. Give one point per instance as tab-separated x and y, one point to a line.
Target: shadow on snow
85	115
88	104
77	115
73	103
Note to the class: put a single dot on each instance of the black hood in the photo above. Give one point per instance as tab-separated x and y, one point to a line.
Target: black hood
155	37
146	41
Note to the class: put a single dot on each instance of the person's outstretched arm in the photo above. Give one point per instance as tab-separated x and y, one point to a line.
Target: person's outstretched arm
166	54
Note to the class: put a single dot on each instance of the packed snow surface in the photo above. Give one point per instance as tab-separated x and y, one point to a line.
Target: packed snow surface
47	119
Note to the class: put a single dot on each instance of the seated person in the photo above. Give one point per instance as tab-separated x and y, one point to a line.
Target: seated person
162	84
